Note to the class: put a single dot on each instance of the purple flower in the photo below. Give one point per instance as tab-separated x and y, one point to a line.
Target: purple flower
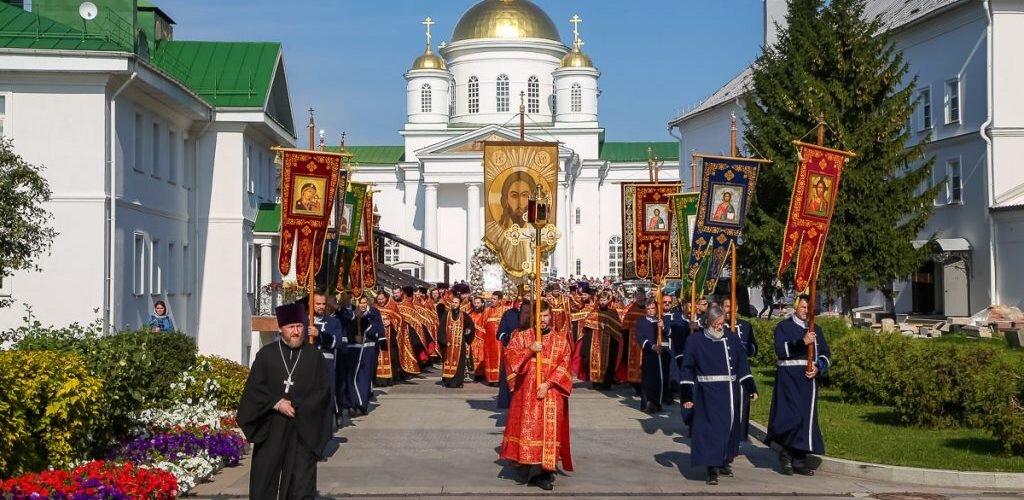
146	450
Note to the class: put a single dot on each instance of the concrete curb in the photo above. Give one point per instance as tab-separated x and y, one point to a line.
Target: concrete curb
913	475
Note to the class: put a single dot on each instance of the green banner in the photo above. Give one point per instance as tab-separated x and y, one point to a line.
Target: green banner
351	216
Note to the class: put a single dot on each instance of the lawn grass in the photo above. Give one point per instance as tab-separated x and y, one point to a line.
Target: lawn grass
870	433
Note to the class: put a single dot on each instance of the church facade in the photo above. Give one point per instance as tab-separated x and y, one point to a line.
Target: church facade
503	54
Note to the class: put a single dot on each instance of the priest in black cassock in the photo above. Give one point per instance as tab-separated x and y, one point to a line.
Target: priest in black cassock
793	419
284	406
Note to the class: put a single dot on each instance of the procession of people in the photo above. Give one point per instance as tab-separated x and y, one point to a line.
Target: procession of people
590	333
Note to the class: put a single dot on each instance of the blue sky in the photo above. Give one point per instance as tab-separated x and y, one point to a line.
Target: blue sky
346	58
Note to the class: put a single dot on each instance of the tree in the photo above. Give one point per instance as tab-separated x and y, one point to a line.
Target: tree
833	62
23	220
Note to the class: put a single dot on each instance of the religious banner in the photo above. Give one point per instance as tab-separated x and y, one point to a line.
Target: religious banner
351	216
810	210
363	272
512	173
309	182
726	190
650	240
684	217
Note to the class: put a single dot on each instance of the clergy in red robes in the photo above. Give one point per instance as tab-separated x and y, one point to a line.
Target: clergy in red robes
478	313
491	344
537	431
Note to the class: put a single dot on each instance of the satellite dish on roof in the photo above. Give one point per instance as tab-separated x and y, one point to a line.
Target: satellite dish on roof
88	11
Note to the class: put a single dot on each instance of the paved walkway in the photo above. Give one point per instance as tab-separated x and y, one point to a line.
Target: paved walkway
424	441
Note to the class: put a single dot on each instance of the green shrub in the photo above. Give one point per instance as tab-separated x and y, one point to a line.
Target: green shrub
34	336
137	368
215	377
834	328
870	368
49	407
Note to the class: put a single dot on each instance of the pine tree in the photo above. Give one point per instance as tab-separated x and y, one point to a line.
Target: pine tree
830	61
24	223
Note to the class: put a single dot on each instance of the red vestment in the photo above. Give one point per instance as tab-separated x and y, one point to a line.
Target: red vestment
479	322
537	431
634	354
491	344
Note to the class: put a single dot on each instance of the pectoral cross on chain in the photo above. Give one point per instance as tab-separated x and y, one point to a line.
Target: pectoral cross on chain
288	385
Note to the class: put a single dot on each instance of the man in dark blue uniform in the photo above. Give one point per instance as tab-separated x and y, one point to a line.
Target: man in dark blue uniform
329	338
672	315
744	331
361	357
655	364
716	386
793	419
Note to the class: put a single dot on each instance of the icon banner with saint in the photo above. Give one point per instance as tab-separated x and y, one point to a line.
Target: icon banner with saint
727	186
309	183
650	239
512	173
810	210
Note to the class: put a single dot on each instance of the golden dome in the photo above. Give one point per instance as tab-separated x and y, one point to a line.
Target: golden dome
429	60
577	59
505	19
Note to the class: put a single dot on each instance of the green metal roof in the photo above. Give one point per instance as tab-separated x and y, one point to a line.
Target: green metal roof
225	74
268	219
374	155
26	30
632	152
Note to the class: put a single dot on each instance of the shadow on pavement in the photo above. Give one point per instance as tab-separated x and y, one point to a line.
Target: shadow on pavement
681	461
491	405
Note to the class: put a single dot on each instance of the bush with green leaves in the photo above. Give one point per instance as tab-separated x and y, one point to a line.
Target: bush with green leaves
50	406
212	377
137	368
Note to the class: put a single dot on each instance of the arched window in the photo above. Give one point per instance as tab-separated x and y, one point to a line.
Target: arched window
577	98
579	215
502	93
474	95
391	250
579	267
426	99
451	99
615	256
533	95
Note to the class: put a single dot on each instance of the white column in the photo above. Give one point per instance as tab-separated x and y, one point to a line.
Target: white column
565	217
430	229
472	219
267	266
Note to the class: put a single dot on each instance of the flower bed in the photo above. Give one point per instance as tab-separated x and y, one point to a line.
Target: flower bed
97	479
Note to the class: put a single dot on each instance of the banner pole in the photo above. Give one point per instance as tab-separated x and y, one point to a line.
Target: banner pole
537	308
660	312
732	141
311	287
814	273
732	298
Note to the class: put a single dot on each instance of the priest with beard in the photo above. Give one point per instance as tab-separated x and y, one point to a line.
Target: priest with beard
284	405
537	432
456	336
602	343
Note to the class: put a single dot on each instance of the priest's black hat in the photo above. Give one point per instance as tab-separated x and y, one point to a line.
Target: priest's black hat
408	290
290	314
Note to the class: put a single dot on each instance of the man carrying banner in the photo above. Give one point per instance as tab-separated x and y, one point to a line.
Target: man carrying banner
793	419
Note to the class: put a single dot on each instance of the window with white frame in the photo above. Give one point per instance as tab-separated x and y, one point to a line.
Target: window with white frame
579	215
954	182
502	93
156	278
139	145
579	267
925	121
533	95
250	275
474	95
172	156
139	268
189	162
3	114
554	103
249	182
615	256
5	285
451	99
172	268
391	252
426	99
577	98
155	148
953	101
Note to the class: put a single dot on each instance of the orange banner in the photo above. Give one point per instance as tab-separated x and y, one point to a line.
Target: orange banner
810	211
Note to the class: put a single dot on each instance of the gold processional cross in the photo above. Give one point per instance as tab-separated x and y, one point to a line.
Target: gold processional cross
517	234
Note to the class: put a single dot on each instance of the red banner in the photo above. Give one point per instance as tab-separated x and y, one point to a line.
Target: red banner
650	238
363	273
309	182
810	210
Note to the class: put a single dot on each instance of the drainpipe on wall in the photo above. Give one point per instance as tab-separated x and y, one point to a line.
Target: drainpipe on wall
111	229
989	166
679	139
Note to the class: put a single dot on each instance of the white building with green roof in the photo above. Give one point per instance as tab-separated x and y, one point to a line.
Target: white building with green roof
158	154
469	91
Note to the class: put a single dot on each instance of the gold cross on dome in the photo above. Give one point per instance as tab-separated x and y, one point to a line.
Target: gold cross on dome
428	23
576	20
